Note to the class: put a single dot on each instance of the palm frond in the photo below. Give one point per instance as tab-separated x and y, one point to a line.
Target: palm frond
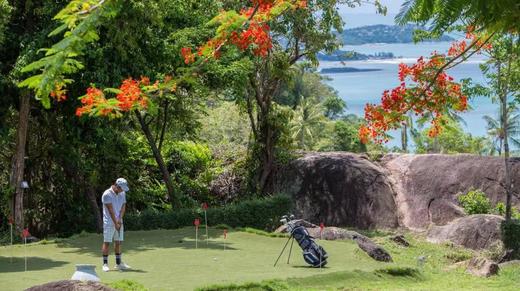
405	12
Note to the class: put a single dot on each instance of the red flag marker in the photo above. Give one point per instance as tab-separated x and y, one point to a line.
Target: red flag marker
25	233
205	206
322	225
10	220
196	222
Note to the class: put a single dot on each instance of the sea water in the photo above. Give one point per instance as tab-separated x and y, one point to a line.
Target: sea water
359	88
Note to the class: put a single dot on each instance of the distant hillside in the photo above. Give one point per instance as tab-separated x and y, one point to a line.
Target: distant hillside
381	33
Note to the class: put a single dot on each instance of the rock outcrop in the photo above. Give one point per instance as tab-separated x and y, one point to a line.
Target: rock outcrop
479	231
71	285
427	186
400	240
413	191
482	267
340	189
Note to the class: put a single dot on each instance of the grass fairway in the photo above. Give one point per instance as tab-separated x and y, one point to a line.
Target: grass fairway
168	260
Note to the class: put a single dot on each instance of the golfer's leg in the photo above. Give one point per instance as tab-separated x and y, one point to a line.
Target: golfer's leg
108	233
118	240
117	247
105	248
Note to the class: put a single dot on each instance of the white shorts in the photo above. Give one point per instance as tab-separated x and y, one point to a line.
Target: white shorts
110	233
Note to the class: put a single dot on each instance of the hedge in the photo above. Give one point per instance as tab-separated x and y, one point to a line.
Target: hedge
511	236
262	213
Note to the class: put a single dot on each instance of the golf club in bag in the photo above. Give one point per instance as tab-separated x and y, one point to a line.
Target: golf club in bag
313	253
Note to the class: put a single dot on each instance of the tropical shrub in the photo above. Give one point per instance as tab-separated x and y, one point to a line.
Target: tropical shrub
263	213
475	202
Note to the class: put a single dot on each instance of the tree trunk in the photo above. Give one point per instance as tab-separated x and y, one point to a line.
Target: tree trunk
91	197
18	164
174	200
404	138
266	151
503	85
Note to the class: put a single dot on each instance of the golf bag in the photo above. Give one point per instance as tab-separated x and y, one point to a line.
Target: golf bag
313	253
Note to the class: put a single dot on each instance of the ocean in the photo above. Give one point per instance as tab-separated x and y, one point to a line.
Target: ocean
359	88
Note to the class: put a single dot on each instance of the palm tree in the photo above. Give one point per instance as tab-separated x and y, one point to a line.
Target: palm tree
496	132
306	122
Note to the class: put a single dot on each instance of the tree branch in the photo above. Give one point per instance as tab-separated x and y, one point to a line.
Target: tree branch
163	130
92	8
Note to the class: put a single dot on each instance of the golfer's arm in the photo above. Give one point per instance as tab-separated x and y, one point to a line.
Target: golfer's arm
122	212
111	211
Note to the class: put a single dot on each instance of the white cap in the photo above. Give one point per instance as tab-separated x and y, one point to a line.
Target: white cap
121	182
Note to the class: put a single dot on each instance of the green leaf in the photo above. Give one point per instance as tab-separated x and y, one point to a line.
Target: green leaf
112	90
31	82
58	30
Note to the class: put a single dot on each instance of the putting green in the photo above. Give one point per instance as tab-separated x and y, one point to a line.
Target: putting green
168	260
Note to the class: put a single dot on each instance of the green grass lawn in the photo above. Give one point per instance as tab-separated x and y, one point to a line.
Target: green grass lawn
168	260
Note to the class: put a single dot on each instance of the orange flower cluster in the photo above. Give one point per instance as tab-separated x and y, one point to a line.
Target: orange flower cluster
92	99
429	91
130	96
59	92
458	47
254	32
188	56
257	36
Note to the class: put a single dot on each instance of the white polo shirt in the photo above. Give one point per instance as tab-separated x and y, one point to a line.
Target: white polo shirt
117	201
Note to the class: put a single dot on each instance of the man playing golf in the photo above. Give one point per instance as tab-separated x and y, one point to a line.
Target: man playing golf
114	203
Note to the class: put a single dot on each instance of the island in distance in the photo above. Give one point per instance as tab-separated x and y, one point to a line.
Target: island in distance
381	33
335	70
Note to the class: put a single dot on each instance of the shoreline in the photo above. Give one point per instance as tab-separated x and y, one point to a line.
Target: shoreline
338	70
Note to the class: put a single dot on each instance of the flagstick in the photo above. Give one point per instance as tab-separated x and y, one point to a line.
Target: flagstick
25	251
197	237
321	239
206	220
225	237
321	253
11	242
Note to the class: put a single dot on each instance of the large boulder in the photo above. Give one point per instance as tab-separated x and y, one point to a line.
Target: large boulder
479	231
413	191
427	186
482	267
340	188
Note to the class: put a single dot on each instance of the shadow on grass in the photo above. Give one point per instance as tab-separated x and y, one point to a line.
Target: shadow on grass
351	278
33	264
309	267
329	281
133	271
149	240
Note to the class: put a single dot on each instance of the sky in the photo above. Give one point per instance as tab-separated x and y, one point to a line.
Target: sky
393	7
366	14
